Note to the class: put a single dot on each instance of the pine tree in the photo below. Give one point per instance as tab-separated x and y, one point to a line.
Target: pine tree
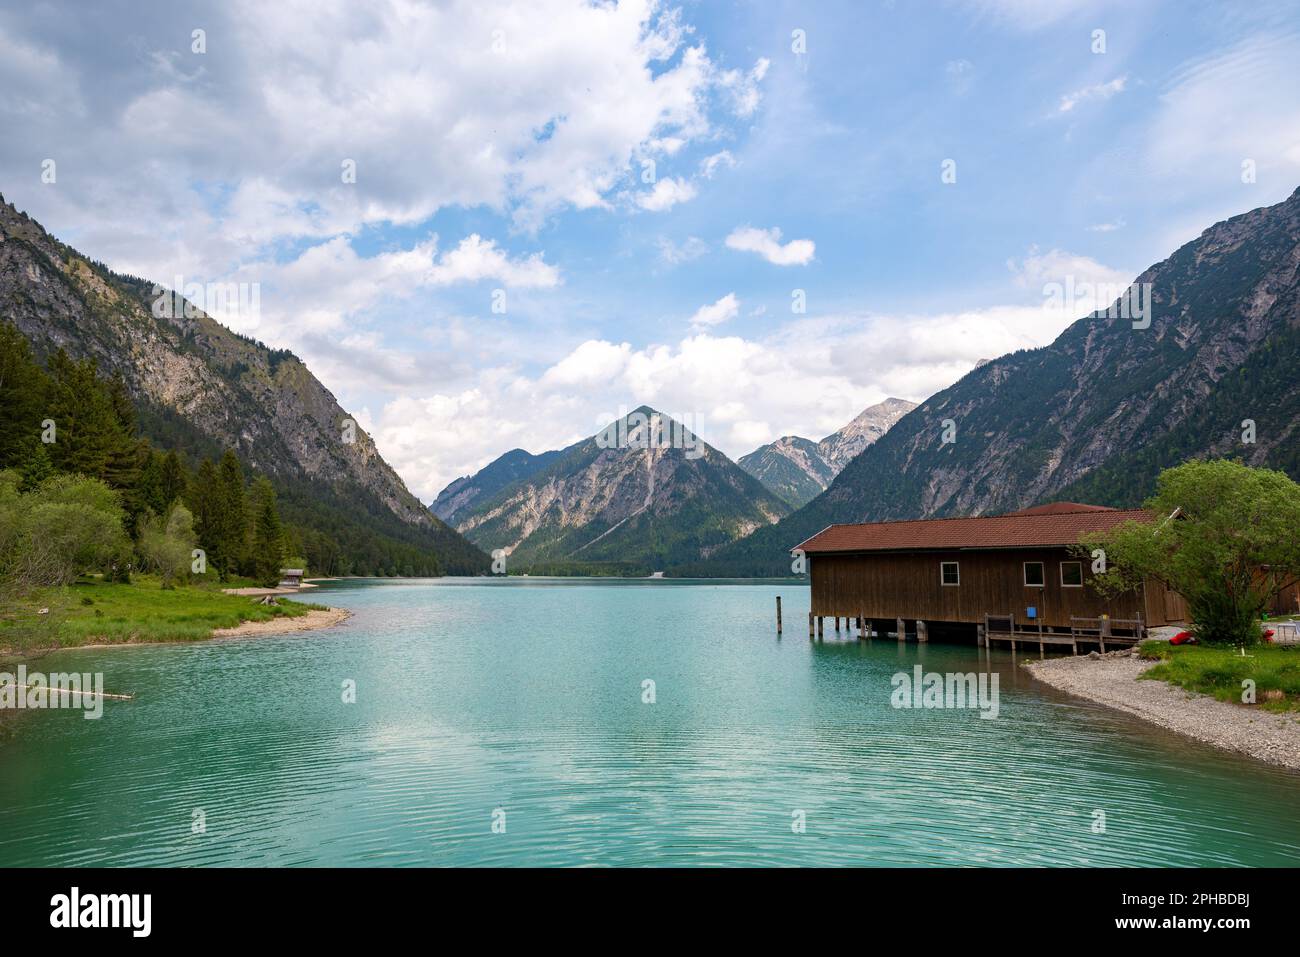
204	500
268	533
232	520
23	395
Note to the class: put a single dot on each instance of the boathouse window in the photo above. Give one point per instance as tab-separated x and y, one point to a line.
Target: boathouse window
949	573
1034	575
1071	574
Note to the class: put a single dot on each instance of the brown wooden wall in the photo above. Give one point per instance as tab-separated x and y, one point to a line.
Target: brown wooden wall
1287	602
906	585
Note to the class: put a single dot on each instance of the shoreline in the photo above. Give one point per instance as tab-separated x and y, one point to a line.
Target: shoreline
1267	736
315	619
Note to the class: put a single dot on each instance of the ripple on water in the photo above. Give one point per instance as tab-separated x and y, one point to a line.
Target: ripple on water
528	698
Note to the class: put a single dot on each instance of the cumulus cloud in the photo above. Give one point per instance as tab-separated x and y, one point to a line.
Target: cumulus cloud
714	314
666	194
330	282
767	243
193	164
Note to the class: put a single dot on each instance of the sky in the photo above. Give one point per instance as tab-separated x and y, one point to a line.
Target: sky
490	225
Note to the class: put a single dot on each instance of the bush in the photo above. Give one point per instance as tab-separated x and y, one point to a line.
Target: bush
1224	537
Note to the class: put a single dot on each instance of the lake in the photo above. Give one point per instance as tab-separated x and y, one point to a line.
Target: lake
506	722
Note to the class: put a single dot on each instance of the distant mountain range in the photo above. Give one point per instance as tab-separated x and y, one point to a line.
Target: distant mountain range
797	470
201	388
1096	415
641	496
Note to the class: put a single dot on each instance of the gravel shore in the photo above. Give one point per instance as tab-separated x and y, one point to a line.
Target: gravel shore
1113	681
315	618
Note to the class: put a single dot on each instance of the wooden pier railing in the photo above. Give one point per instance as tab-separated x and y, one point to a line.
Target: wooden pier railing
1088	630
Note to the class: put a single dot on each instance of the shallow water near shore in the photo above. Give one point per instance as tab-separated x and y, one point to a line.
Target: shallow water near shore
521	701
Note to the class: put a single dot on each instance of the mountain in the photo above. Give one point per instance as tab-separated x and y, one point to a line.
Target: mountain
792	468
467	491
642	495
797	469
1097	414
200	388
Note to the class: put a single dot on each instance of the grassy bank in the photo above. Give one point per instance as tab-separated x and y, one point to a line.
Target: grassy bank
1219	672
99	612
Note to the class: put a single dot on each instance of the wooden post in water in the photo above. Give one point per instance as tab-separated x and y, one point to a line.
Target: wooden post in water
837	624
902	630
922	632
778	614
810	626
979	636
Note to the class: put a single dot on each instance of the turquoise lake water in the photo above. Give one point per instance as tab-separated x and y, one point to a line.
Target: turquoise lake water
521	701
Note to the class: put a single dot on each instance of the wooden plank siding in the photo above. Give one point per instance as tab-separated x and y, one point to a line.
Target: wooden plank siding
889	585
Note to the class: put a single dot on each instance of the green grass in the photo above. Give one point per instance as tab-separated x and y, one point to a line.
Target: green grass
98	612
1220	671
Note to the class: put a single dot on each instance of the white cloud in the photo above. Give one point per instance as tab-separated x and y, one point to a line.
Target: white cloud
667	193
692	247
724	310
711	163
1229	108
1098	91
767	243
525	108
743	87
1092	285
329	282
1107	227
476	259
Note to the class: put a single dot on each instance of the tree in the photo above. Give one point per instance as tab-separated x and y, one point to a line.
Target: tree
69	525
232	519
1225	538
166	543
203	498
23	388
268	534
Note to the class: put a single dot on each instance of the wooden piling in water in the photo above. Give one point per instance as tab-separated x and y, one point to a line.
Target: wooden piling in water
922	631
810	626
902	630
778	614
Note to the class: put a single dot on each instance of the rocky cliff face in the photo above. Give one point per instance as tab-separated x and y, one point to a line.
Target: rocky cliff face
233	391
1096	415
625	496
797	469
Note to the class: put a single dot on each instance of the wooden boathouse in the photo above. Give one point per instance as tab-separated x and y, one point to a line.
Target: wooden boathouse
1006	577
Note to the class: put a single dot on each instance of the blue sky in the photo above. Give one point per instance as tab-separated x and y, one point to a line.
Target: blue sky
503	146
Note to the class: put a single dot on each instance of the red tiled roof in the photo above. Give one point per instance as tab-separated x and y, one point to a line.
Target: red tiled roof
1041	527
1058	508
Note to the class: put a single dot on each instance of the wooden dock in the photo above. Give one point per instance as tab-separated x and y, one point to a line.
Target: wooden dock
1119	632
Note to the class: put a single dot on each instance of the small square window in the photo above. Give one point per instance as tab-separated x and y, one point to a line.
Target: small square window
1034	575
1071	574
949	573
